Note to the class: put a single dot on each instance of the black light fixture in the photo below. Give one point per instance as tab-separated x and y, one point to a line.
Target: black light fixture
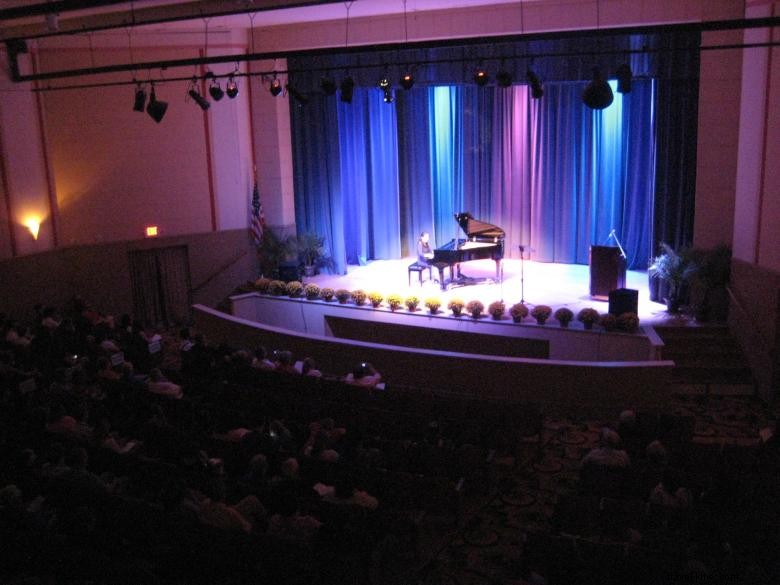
155	108
231	88
347	89
384	85
481	77
276	87
504	78
597	94
196	97
328	86
624	75
537	91
407	80
140	99
215	91
301	98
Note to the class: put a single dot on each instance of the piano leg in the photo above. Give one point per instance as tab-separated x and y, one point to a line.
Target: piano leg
440	268
498	269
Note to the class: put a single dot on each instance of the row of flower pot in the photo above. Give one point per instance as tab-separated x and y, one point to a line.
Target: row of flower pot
589	317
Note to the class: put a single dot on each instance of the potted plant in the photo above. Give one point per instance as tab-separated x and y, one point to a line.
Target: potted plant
311	250
311	291
608	321
261	285
675	268
359	297
588	317
518	311
294	289
564	316
394	301
375	298
709	293
541	313
277	288
327	294
497	310
475	308
628	322
456	306
343	296
411	302
433	304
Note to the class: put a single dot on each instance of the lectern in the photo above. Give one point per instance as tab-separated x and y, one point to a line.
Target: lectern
607	271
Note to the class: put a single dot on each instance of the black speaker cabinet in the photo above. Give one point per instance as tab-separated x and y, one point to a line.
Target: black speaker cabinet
623	300
607	271
289	271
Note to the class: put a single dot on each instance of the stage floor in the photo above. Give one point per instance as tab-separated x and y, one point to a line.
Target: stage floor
556	285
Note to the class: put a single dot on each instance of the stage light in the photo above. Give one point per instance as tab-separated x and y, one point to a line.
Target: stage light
276	87
231	89
624	75
537	91
152	231
215	91
407	81
140	99
155	108
504	78
328	86
33	224
481	77
301	98
196	97
597	94
384	85
347	89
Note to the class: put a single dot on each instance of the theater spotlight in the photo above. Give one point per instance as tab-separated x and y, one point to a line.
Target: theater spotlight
504	78
155	108
537	91
328	86
140	99
196	97
624	75
215	91
347	89
597	94
407	81
384	85
299	97
481	77
231	89
276	87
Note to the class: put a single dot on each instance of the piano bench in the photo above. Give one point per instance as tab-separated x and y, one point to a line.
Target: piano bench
418	268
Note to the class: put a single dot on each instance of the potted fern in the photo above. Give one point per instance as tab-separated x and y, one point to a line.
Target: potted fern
676	268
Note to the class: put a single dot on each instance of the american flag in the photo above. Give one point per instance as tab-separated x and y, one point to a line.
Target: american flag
257	221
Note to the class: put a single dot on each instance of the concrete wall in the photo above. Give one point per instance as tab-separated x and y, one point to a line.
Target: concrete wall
560	386
101	273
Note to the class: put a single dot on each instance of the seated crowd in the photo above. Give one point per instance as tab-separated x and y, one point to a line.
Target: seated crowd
134	455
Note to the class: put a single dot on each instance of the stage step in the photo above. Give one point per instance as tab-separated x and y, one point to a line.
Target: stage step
707	357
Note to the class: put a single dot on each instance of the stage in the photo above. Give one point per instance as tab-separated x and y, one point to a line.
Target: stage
542	283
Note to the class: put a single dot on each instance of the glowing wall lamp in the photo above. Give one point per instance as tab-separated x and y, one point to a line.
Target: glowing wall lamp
34	225
151	231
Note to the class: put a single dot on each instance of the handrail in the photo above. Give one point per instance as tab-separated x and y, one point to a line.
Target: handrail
219	271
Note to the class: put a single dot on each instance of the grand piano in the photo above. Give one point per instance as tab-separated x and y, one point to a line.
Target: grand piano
483	240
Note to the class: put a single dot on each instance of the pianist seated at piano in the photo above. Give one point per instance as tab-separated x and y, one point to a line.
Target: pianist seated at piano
424	252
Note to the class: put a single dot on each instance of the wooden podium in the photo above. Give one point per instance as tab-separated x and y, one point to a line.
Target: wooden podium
607	271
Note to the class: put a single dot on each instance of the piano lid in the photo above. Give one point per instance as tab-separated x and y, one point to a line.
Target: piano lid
476	228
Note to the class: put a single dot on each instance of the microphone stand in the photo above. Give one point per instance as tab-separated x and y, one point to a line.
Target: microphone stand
612	234
522	273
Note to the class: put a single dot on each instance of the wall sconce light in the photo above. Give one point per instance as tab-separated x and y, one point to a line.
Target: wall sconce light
152	231
34	225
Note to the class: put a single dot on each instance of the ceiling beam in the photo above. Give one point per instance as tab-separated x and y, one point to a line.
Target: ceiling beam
147	16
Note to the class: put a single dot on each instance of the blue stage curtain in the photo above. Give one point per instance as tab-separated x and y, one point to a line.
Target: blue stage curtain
556	175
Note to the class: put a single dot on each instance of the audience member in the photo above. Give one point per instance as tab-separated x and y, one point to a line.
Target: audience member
364	375
607	454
